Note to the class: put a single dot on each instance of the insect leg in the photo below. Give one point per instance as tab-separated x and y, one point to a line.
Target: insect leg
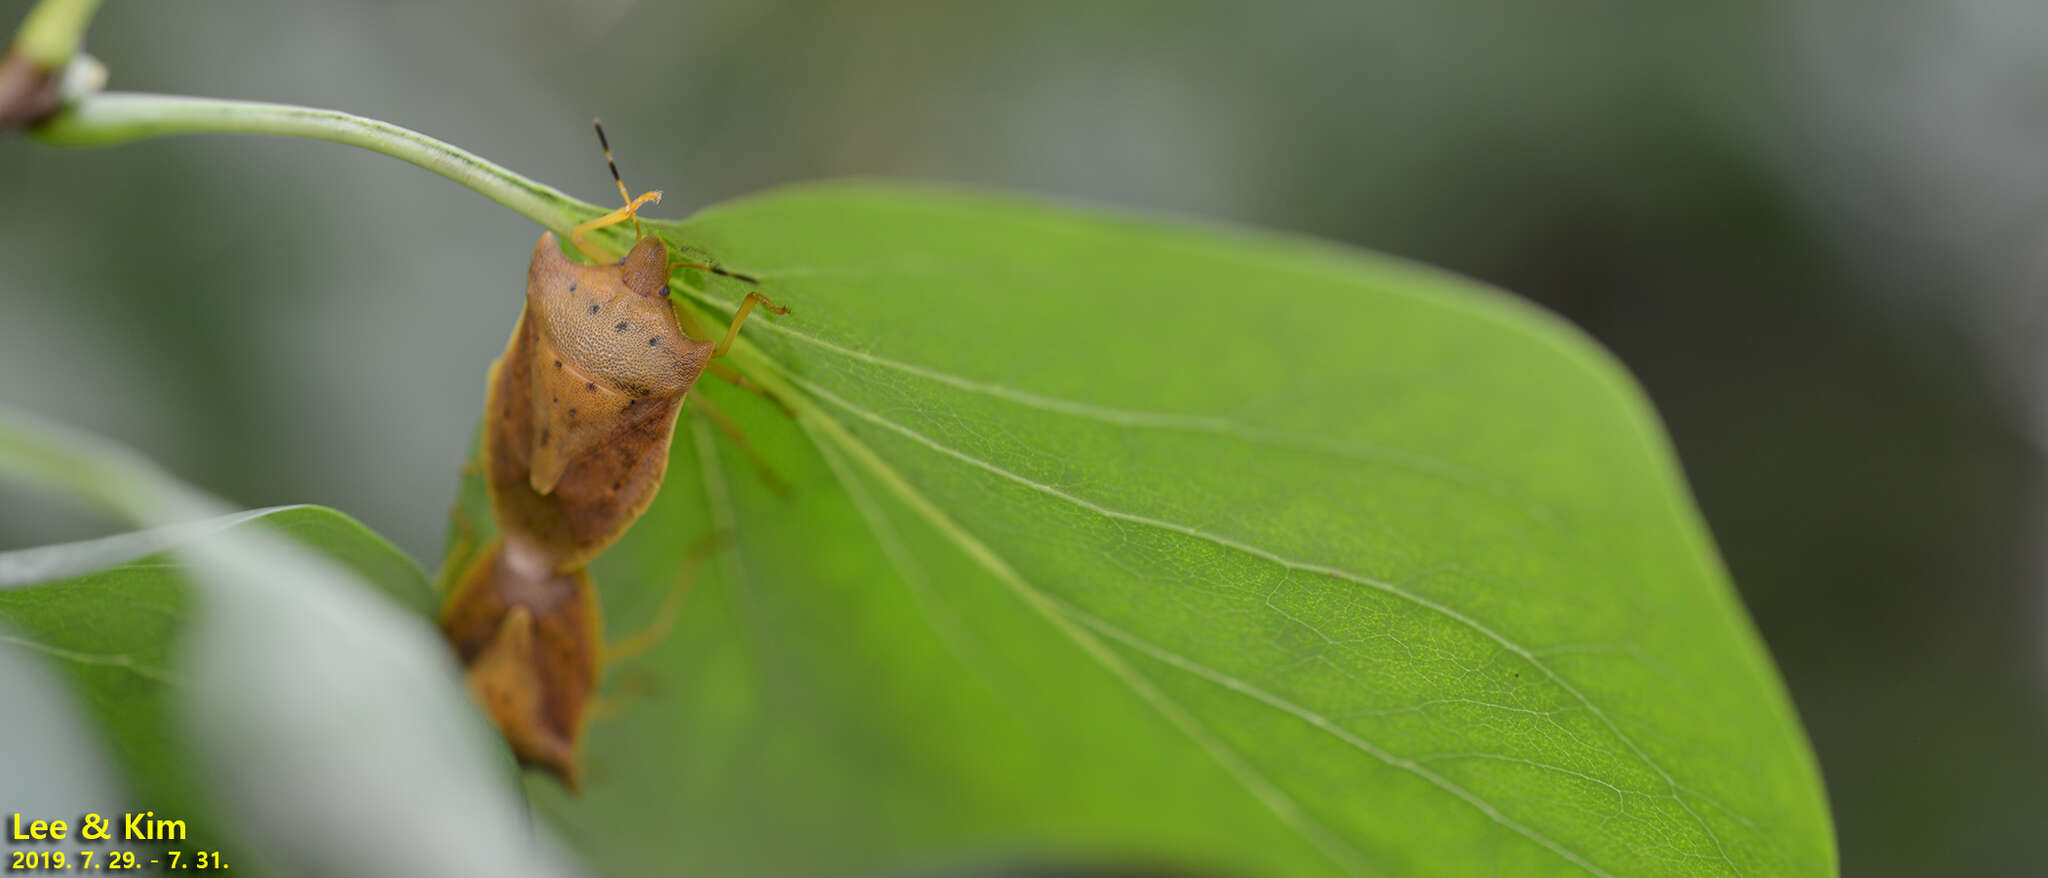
732	431
461	548
690	325
629	212
733	377
746	307
638	643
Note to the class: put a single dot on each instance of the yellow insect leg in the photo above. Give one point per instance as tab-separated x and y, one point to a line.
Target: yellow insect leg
724	423
629	212
746	307
462	549
638	643
735	378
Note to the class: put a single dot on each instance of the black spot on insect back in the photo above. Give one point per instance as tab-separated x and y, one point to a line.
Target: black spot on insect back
593	309
621	326
572	286
589	385
654	341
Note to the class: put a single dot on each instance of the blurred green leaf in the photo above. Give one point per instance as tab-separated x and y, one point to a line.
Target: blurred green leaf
108	613
1119	538
48	758
243	676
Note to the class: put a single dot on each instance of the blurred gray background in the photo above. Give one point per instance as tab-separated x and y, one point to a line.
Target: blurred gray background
1817	231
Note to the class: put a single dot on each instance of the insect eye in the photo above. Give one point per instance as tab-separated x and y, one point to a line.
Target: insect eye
663	292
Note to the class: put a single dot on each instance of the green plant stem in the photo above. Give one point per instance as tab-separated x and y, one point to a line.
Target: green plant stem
116	118
49	36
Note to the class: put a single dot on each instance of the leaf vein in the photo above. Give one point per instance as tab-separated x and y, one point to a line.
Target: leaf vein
112	660
1448	612
1324	724
1274	798
942	621
1169	421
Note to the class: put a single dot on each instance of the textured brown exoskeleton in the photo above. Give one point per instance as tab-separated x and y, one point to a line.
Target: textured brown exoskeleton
581	411
584	402
528	638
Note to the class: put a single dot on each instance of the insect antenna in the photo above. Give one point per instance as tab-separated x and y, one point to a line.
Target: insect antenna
627	196
721	272
614	165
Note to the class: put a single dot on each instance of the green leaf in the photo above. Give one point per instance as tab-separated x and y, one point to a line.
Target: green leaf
53	768
108	614
1119	538
245	675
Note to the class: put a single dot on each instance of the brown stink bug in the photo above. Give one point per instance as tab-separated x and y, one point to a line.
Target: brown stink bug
584	401
582	407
